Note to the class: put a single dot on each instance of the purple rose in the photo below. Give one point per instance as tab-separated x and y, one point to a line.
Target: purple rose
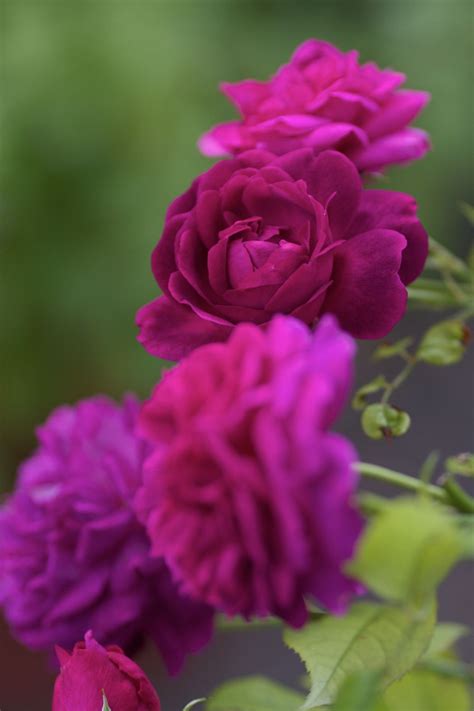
72	552
91	672
325	99
247	495
296	234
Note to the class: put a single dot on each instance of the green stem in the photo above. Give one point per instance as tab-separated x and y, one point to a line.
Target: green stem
374	471
396	382
460	499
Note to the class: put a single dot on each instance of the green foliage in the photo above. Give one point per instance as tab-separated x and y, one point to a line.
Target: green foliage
254	693
422	690
389	350
407	550
461	464
105	703
468	212
445	635
358	692
360	397
444	343
370	637
466	531
382	420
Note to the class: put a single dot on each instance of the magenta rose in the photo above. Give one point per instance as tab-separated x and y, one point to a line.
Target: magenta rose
325	99
73	554
297	234
248	496
92	672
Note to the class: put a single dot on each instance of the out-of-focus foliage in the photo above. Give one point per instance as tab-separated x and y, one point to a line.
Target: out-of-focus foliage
102	103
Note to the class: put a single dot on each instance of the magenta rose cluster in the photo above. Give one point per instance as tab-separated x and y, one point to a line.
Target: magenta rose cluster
227	491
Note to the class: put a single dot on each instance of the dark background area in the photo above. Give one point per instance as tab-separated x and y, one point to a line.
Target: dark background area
101	105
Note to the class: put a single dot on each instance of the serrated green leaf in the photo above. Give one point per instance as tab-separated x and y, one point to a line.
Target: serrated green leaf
359	692
192	704
389	350
461	464
425	691
444	343
254	693
105	703
445	635
360	397
379	421
407	550
369	637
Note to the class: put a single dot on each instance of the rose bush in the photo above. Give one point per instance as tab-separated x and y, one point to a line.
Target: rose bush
72	552
297	234
325	99
92	671
247	494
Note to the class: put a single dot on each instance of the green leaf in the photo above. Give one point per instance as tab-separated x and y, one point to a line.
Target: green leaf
425	691
444	343
468	211
358	692
254	693
369	637
445	635
193	704
466	532
461	464
407	550
389	350
360	397
105	703
379	420
444	259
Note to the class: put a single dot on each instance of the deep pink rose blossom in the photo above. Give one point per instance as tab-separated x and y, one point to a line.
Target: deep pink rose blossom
296	234
73	554
92	671
247	495
323	98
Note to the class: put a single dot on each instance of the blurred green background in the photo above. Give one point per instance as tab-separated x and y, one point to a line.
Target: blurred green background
102	102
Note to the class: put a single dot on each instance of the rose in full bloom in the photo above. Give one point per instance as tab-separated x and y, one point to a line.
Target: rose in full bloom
296	234
325	99
247	494
92	671
73	554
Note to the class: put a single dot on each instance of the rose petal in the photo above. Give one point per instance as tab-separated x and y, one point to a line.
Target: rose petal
395	211
367	295
169	330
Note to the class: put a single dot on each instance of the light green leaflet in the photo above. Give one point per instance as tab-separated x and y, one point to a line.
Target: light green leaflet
369	637
254	693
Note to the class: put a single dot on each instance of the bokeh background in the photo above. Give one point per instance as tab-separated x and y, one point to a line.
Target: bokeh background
101	105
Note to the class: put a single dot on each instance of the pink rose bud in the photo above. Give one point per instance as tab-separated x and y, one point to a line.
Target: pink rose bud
92	672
